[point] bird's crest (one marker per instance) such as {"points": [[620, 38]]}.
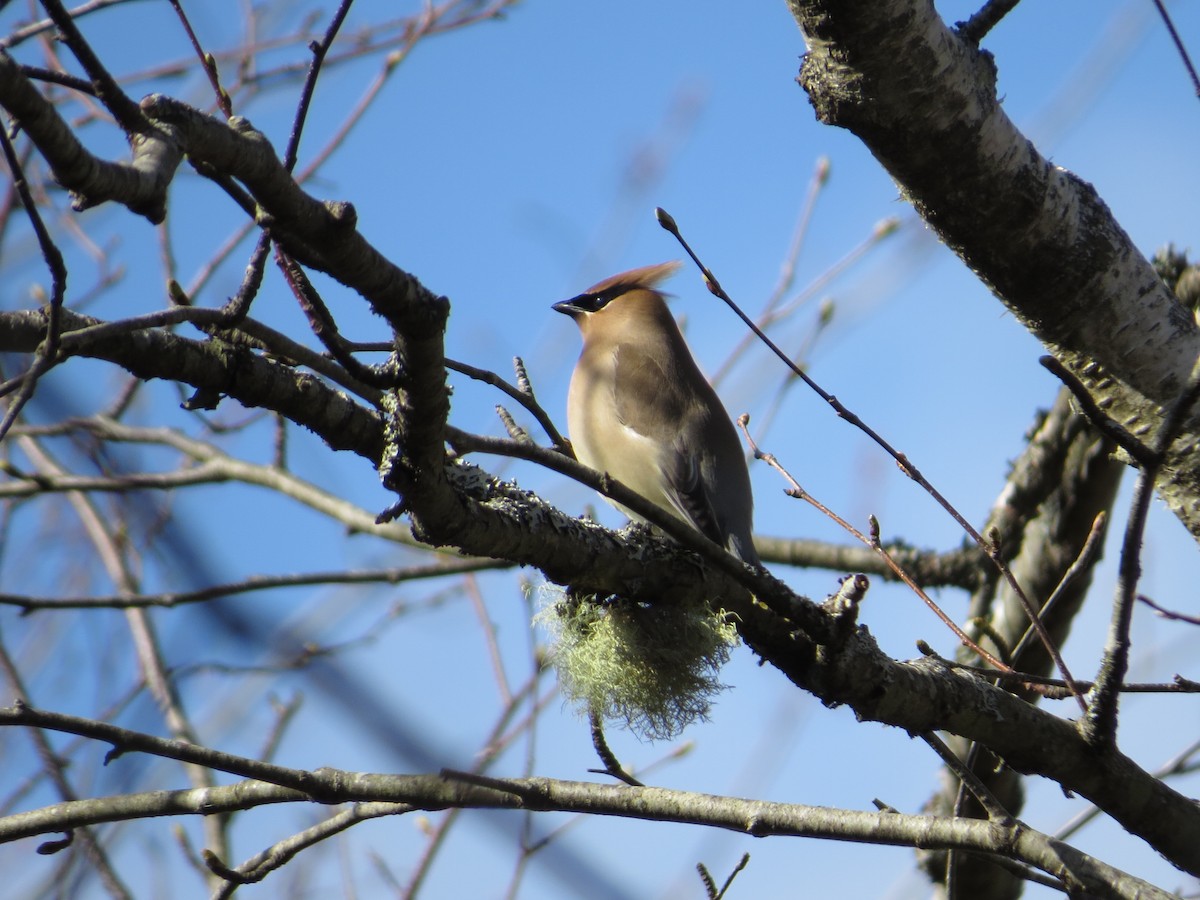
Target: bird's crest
{"points": [[645, 277]]}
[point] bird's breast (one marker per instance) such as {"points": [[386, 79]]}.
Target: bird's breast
{"points": [[602, 440]]}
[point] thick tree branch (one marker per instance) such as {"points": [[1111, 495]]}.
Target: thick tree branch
{"points": [[923, 100], [211, 365], [1078, 871], [455, 504], [140, 184], [322, 235], [1042, 519], [463, 506], [964, 568]]}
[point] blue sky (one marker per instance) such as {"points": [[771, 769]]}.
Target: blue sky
{"points": [[496, 167]]}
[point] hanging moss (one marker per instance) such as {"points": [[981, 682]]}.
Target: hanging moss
{"points": [[651, 668]]}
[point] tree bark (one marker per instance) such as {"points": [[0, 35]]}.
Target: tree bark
{"points": [[923, 100]]}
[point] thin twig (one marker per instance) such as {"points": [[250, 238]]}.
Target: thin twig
{"points": [[1111, 429], [881, 230], [1178, 685], [525, 398], [787, 270], [285, 713], [714, 287], [207, 61], [279, 854], [143, 634], [54, 767], [742, 863], [44, 25], [873, 542], [1087, 558], [319, 50], [238, 306], [987, 18], [65, 79], [1099, 726], [251, 584], [323, 325], [496, 742], [123, 741], [1183, 54], [994, 808], [1167, 613], [471, 588], [612, 765], [127, 113], [48, 351]]}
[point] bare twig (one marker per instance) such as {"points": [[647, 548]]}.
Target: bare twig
{"points": [[54, 768], [881, 230], [521, 395], [238, 306], [1087, 557], [44, 25], [495, 743], [873, 542], [285, 713], [983, 21], [1099, 726], [1178, 685], [142, 631], [1167, 613], [1104, 423], [319, 51], [994, 808], [48, 351], [253, 583], [127, 113], [714, 287], [322, 323], [282, 852], [1183, 54], [207, 61], [715, 893], [124, 740], [612, 765], [471, 587]]}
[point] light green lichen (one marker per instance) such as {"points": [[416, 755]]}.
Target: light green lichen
{"points": [[652, 668]]}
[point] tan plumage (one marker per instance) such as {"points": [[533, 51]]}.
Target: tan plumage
{"points": [[640, 409]]}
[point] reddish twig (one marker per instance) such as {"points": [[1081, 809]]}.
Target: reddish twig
{"points": [[1168, 614], [874, 543], [990, 548], [207, 60]]}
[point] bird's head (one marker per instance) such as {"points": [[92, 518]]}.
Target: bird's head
{"points": [[625, 297]]}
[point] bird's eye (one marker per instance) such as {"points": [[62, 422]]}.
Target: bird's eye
{"points": [[593, 302]]}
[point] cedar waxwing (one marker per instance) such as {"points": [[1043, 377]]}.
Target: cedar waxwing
{"points": [[640, 409]]}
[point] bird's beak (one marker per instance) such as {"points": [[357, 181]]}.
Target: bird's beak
{"points": [[568, 307]]}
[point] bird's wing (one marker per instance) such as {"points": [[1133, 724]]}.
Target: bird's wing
{"points": [[650, 404]]}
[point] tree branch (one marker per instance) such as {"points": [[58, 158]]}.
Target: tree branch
{"points": [[923, 100], [141, 185], [462, 789]]}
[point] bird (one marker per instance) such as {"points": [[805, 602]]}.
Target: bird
{"points": [[640, 409]]}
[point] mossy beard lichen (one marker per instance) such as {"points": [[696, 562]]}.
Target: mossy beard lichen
{"points": [[652, 668]]}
